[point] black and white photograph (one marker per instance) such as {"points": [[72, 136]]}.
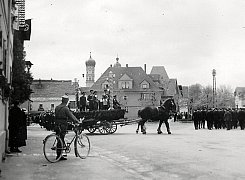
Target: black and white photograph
{"points": [[122, 89]]}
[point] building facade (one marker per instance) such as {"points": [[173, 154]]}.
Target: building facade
{"points": [[47, 94], [136, 89], [7, 17], [239, 97]]}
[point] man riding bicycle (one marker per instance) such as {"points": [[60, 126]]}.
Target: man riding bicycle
{"points": [[62, 116]]}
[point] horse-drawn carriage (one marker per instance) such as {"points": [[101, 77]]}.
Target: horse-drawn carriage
{"points": [[106, 121], [103, 121]]}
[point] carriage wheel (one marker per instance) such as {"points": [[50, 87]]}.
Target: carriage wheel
{"points": [[91, 129], [113, 127], [105, 127]]}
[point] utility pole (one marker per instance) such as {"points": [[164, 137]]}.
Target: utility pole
{"points": [[214, 86]]}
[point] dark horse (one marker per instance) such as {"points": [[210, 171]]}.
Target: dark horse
{"points": [[161, 113]]}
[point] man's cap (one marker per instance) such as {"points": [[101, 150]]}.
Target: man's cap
{"points": [[65, 97]]}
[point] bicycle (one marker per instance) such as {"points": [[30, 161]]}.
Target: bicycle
{"points": [[53, 143]]}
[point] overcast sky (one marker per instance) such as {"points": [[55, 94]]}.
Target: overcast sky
{"points": [[188, 37]]}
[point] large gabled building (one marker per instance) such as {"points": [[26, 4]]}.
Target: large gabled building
{"points": [[136, 89]]}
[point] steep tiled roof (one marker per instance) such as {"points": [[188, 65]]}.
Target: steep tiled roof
{"points": [[240, 89], [160, 70], [136, 73], [159, 75], [52, 88], [172, 87]]}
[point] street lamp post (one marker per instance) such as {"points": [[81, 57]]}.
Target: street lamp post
{"points": [[28, 65], [214, 86]]}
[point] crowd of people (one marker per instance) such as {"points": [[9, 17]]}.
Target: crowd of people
{"points": [[92, 103], [219, 119]]}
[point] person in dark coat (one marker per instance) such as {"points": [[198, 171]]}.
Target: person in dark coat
{"points": [[62, 116], [91, 100], [17, 128], [234, 118], [241, 118], [195, 119], [204, 118], [216, 118], [96, 101], [105, 100], [228, 119], [210, 119], [83, 102], [116, 104]]}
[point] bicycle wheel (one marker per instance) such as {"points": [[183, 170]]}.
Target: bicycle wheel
{"points": [[52, 145], [82, 146]]}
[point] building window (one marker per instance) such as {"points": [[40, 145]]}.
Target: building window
{"points": [[40, 108], [125, 85], [144, 86], [52, 107], [126, 108], [105, 86], [147, 96]]}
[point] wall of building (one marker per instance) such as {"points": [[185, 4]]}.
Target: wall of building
{"points": [[239, 102], [46, 102], [6, 55]]}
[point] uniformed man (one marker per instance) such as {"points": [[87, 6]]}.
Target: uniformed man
{"points": [[105, 100], [195, 119], [62, 116], [83, 102], [241, 118], [210, 119], [91, 100], [228, 119]]}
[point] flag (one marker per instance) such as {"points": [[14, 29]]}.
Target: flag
{"points": [[26, 31]]}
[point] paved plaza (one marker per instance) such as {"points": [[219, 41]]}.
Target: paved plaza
{"points": [[185, 154]]}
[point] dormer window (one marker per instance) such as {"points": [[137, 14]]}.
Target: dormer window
{"points": [[145, 85], [125, 85], [125, 82]]}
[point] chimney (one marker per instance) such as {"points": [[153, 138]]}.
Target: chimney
{"points": [[145, 67], [126, 65], [111, 65]]}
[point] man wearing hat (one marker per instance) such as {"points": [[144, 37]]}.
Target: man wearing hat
{"points": [[91, 100], [83, 102], [62, 116]]}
